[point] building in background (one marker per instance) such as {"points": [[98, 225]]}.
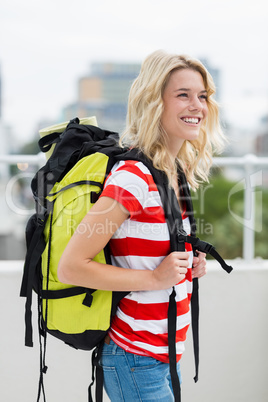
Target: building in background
{"points": [[104, 94]]}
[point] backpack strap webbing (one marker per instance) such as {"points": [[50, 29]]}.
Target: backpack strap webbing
{"points": [[96, 367], [185, 195], [45, 143], [172, 327], [175, 224], [195, 324]]}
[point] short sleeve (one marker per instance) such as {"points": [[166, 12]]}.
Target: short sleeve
{"points": [[128, 184]]}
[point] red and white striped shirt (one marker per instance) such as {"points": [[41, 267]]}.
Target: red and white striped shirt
{"points": [[142, 242]]}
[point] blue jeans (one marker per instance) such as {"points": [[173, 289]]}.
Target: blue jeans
{"points": [[130, 378]]}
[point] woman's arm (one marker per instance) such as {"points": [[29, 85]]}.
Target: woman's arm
{"points": [[92, 234]]}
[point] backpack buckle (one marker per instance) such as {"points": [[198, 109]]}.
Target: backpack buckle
{"points": [[181, 235], [203, 246]]}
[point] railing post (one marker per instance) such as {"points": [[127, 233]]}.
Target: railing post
{"points": [[249, 211]]}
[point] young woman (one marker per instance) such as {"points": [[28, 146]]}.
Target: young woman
{"points": [[173, 120]]}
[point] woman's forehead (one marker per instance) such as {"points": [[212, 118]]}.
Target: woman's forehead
{"points": [[185, 79]]}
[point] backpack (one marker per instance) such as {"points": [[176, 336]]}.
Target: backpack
{"points": [[64, 189]]}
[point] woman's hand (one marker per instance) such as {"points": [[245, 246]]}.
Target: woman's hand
{"points": [[172, 270], [199, 265]]}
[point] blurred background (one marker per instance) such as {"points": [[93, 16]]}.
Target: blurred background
{"points": [[59, 61]]}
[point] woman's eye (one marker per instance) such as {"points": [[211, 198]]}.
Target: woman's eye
{"points": [[182, 95], [203, 97]]}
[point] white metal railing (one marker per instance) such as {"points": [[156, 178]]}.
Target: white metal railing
{"points": [[251, 182], [31, 159]]}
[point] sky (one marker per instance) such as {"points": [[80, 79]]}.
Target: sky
{"points": [[45, 47]]}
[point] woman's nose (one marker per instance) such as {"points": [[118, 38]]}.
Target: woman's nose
{"points": [[195, 104]]}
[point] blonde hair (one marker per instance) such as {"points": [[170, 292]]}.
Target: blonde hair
{"points": [[145, 108]]}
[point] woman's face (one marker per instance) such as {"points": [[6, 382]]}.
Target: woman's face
{"points": [[185, 107]]}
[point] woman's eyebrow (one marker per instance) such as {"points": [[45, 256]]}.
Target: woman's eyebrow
{"points": [[188, 89], [182, 89]]}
